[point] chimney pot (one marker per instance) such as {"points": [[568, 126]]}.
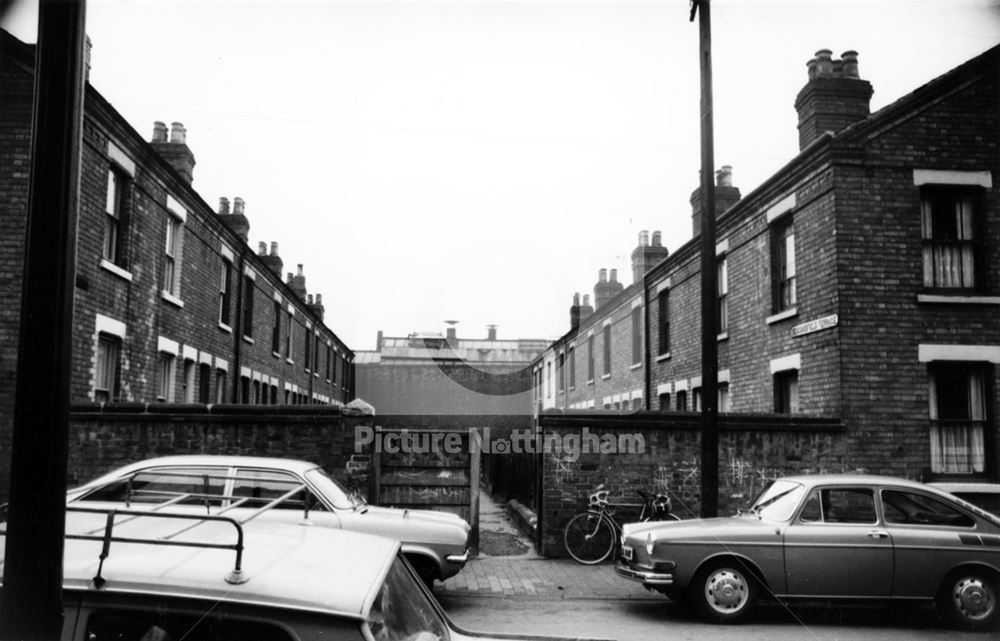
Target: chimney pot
{"points": [[724, 176], [657, 242], [811, 68], [586, 300], [178, 134], [576, 298], [223, 206], [274, 248], [309, 299], [602, 275], [614, 276], [159, 132], [319, 299], [850, 60], [239, 206], [291, 277], [824, 63], [643, 238], [262, 248], [300, 269]]}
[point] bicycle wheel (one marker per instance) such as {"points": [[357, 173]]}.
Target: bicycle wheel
{"points": [[589, 538]]}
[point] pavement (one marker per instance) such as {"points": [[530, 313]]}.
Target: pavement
{"points": [[508, 567]]}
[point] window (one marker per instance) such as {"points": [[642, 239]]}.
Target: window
{"points": [[958, 417], [950, 219], [225, 292], [911, 508], [172, 256], [188, 381], [205, 383], [682, 400], [572, 367], [722, 297], [165, 378], [696, 399], [308, 350], [220, 386], [262, 486], [606, 345], [783, 265], [248, 289], [663, 309], [590, 357], [245, 390], [114, 220], [786, 392], [329, 361], [840, 505], [276, 328], [664, 402], [548, 380], [315, 357], [257, 398], [108, 359], [333, 378], [288, 335], [161, 622], [637, 335], [560, 374], [723, 397], [636, 403], [274, 395]]}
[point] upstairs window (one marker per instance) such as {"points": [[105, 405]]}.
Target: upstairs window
{"points": [[572, 367], [225, 292], [723, 405], [783, 265], [329, 361], [663, 309], [115, 218], [637, 335], [276, 328], [288, 335], [950, 222], [248, 290], [108, 359], [308, 351], [682, 400], [606, 345], [958, 417], [560, 373], [590, 357], [172, 256], [722, 295]]}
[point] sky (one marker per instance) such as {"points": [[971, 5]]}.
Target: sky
{"points": [[481, 160]]}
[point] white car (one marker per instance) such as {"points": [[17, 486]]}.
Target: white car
{"points": [[435, 543], [225, 581]]}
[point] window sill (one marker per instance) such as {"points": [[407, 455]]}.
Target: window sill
{"points": [[605, 377], [724, 336], [780, 316], [662, 357], [289, 361], [636, 365], [226, 328], [958, 299], [116, 270], [247, 340], [590, 382], [276, 354], [170, 298]]}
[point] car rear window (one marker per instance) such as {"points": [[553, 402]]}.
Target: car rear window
{"points": [[187, 486], [162, 625], [913, 508]]}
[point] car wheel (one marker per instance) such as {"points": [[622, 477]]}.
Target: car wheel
{"points": [[968, 599], [725, 592]]}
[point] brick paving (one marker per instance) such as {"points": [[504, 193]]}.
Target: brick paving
{"points": [[530, 575]]}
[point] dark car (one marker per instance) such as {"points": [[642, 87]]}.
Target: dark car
{"points": [[828, 537]]}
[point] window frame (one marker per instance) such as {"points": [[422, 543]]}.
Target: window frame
{"points": [[784, 266], [786, 392], [977, 424], [249, 285], [115, 220], [226, 292], [112, 378], [722, 294], [930, 222], [637, 335], [166, 373], [606, 350], [663, 310]]}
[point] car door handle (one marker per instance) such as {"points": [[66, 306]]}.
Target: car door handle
{"points": [[878, 534]]}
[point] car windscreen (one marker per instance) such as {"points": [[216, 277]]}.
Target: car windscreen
{"points": [[326, 486], [779, 501], [402, 610]]}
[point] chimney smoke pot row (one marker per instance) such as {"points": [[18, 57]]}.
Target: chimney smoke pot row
{"points": [[823, 64]]}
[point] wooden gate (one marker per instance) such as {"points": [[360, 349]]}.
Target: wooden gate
{"points": [[434, 469]]}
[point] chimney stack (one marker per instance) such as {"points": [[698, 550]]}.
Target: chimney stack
{"points": [[315, 305], [725, 197], [646, 256], [451, 333], [298, 283], [606, 288], [272, 260], [491, 332], [834, 96], [574, 312], [237, 220], [175, 151]]}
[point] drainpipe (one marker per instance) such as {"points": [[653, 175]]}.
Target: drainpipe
{"points": [[647, 374], [238, 325]]}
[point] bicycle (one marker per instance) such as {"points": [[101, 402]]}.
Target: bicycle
{"points": [[590, 537]]}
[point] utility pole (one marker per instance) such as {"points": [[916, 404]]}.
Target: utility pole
{"points": [[709, 277], [31, 601]]}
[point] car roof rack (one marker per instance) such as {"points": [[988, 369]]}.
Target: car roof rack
{"points": [[107, 536], [206, 496]]}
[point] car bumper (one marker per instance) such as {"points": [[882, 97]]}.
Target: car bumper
{"points": [[646, 577], [460, 559]]}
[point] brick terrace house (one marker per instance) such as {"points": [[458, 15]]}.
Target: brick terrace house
{"points": [[860, 282], [171, 304]]}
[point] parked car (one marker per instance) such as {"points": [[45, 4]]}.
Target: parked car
{"points": [[984, 495], [827, 537], [220, 580], [436, 543]]}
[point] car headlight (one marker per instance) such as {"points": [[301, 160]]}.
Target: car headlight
{"points": [[649, 543]]}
